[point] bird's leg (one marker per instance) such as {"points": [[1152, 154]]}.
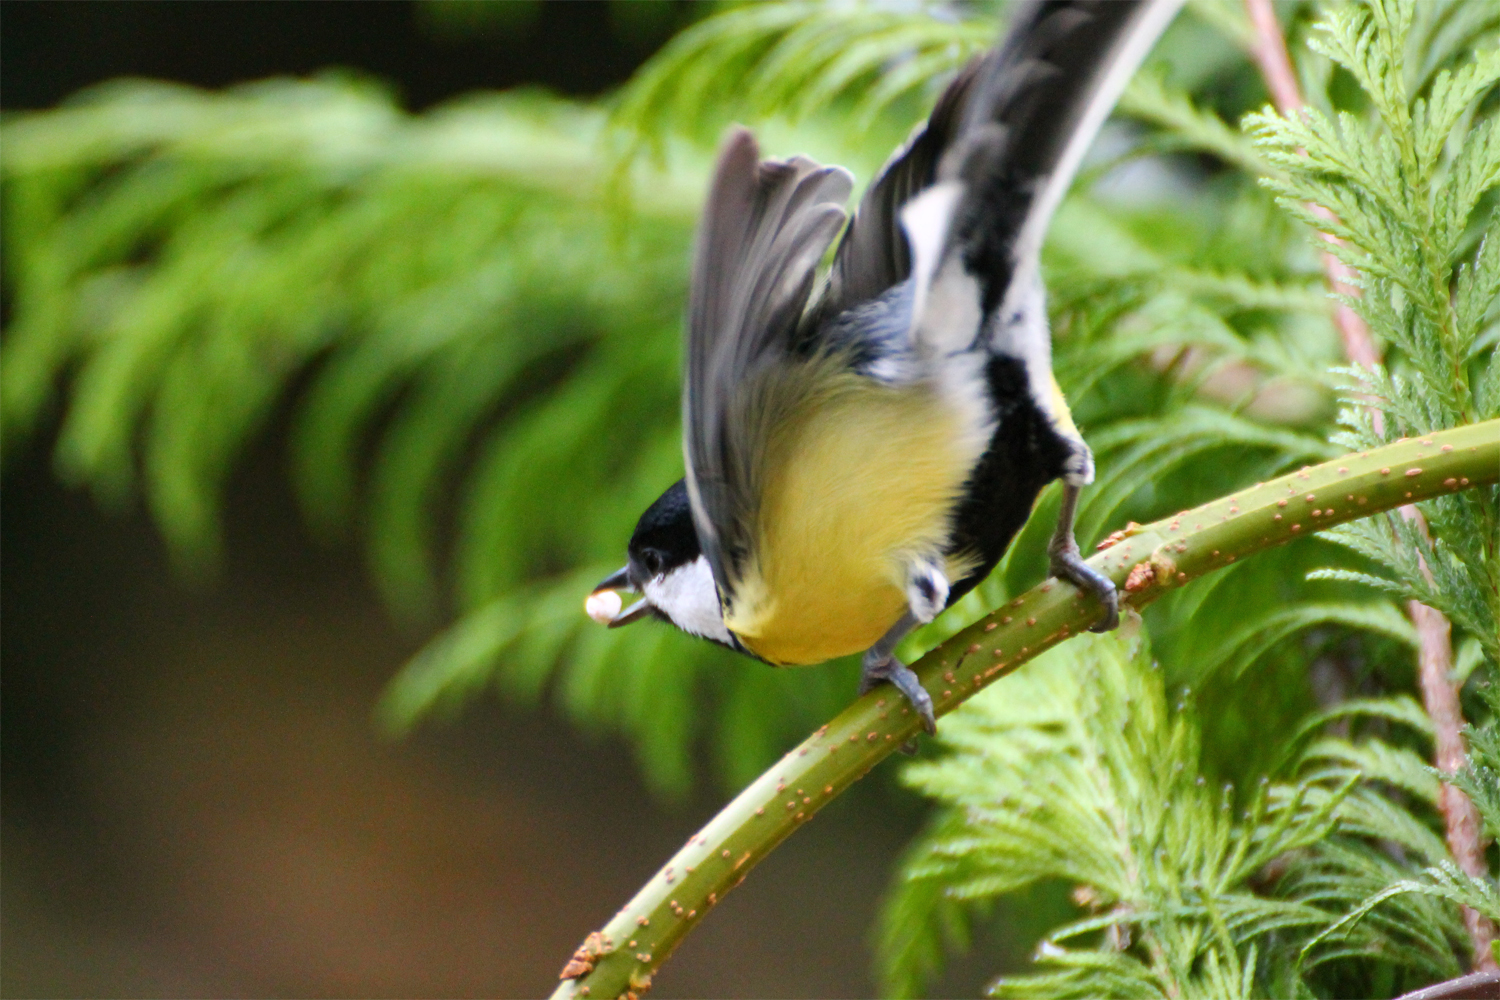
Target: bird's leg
{"points": [[1067, 563], [880, 664]]}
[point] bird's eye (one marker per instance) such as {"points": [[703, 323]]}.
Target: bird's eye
{"points": [[652, 561]]}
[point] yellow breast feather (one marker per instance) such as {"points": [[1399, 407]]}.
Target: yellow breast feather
{"points": [[856, 478]]}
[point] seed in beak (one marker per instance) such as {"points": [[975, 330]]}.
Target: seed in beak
{"points": [[603, 606]]}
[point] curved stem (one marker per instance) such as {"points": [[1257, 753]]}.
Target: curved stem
{"points": [[1147, 561]]}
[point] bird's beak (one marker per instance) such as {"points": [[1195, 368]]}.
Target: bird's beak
{"points": [[616, 581], [635, 612]]}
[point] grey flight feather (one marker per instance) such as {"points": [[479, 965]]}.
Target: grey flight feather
{"points": [[765, 229], [873, 255]]}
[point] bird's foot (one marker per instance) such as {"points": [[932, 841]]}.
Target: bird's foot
{"points": [[879, 668], [1068, 565]]}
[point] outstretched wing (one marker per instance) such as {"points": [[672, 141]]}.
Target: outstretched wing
{"points": [[764, 230]]}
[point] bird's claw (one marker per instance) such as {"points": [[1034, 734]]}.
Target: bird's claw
{"points": [[904, 679], [1069, 565]]}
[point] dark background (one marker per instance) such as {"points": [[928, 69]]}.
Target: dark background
{"points": [[194, 799], [52, 49]]}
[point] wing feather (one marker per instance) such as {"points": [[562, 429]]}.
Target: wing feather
{"points": [[874, 255], [765, 229]]}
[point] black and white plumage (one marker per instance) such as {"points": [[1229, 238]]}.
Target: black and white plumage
{"points": [[860, 458]]}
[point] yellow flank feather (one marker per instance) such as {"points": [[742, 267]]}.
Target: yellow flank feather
{"points": [[1057, 406], [857, 478]]}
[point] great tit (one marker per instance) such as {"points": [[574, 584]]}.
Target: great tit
{"points": [[859, 459]]}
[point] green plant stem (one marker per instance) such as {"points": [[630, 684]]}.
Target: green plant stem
{"points": [[1146, 561]]}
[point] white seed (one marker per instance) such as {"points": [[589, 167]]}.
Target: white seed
{"points": [[603, 606]]}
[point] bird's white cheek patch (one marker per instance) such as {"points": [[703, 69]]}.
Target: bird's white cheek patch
{"points": [[688, 597]]}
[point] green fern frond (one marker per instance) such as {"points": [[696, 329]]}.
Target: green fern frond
{"points": [[1443, 881], [1080, 770], [1185, 126], [794, 60]]}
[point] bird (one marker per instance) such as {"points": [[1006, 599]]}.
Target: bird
{"points": [[862, 446]]}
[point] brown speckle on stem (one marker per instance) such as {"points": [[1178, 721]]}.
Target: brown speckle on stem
{"points": [[1141, 576]]}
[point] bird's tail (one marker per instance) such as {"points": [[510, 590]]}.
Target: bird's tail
{"points": [[1032, 110], [1038, 102]]}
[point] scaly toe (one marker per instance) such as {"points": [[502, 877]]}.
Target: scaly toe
{"points": [[904, 679], [1071, 567], [1111, 618]]}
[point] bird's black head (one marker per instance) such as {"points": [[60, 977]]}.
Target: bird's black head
{"points": [[668, 568], [664, 538]]}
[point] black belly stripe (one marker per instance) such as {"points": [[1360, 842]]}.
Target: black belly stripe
{"points": [[1025, 454]]}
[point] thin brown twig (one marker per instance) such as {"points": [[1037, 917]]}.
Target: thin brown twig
{"points": [[1434, 632], [1275, 62]]}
